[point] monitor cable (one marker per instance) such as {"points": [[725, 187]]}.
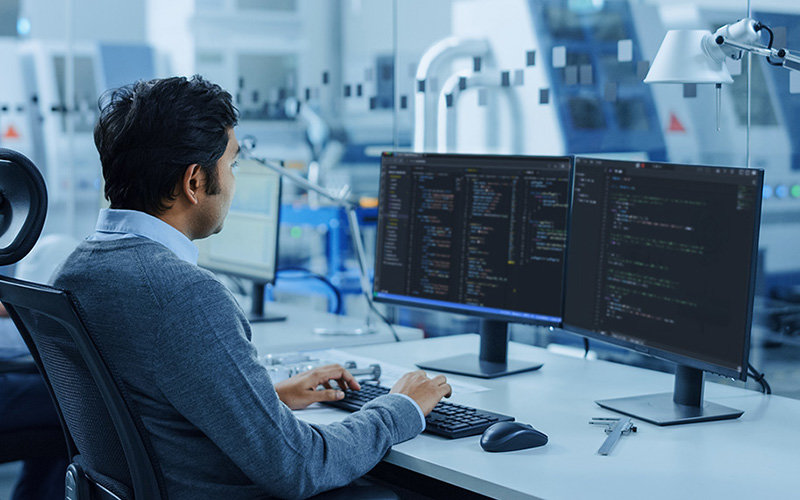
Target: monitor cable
{"points": [[759, 377], [311, 274], [382, 317]]}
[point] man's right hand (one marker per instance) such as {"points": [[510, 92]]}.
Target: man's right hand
{"points": [[425, 391]]}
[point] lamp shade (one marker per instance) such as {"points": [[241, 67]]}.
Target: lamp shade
{"points": [[683, 58]]}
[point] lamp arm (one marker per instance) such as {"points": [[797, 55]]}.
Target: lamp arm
{"points": [[361, 253], [747, 47], [742, 36], [341, 199], [790, 61]]}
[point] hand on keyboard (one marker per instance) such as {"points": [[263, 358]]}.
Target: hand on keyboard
{"points": [[425, 391], [300, 391], [447, 419]]}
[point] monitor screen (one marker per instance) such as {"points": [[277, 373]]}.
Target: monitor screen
{"points": [[247, 246], [473, 234], [661, 259]]}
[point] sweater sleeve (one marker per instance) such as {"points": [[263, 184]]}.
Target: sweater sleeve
{"points": [[207, 368]]}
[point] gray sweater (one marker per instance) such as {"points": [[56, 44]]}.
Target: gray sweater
{"points": [[181, 344]]}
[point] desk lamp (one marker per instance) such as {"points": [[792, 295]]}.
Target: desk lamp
{"points": [[697, 56], [342, 199]]}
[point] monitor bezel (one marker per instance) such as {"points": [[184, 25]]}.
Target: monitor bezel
{"points": [[681, 359], [258, 280], [463, 309]]}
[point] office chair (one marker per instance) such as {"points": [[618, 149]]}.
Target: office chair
{"points": [[110, 453], [29, 443]]}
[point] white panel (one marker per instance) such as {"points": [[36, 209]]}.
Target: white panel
{"points": [[559, 56], [625, 50]]}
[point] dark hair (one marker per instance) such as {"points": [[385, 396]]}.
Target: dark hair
{"points": [[149, 132]]}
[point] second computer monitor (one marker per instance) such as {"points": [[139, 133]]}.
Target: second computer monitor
{"points": [[474, 234], [661, 260]]}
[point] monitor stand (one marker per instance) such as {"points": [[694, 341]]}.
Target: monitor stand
{"points": [[493, 360], [257, 313], [684, 406]]}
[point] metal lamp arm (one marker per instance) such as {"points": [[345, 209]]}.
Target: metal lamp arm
{"points": [[341, 199], [742, 36]]}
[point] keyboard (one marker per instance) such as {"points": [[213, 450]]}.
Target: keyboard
{"points": [[449, 420]]}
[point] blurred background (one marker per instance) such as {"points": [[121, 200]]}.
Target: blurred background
{"points": [[327, 85]]}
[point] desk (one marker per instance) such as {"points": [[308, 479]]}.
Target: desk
{"points": [[755, 456], [297, 332]]}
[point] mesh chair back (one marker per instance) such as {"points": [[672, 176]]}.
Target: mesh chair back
{"points": [[94, 404]]}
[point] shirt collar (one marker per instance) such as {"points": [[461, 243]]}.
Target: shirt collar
{"points": [[133, 222]]}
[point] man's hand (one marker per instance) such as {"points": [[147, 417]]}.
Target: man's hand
{"points": [[301, 390], [425, 391]]}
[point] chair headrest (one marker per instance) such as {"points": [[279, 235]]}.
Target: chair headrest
{"points": [[23, 206]]}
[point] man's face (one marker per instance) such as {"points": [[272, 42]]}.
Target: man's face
{"points": [[214, 208]]}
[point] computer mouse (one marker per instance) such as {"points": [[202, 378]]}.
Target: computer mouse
{"points": [[510, 436]]}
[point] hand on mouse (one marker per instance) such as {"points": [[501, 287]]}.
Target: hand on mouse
{"points": [[300, 390], [425, 391]]}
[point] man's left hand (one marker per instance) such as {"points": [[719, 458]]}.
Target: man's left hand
{"points": [[301, 390]]}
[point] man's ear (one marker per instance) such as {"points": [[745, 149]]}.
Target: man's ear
{"points": [[193, 180]]}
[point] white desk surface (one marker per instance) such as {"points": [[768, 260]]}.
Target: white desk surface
{"points": [[755, 456], [296, 333]]}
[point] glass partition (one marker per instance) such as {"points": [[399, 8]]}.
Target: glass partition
{"points": [[326, 85]]}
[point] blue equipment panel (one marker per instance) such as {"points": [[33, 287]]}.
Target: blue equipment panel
{"points": [[602, 102]]}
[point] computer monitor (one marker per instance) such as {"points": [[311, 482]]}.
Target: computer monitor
{"points": [[247, 246], [480, 235], [661, 260]]}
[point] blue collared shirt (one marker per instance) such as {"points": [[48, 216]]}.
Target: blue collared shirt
{"points": [[115, 224]]}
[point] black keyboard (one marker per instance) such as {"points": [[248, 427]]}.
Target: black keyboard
{"points": [[447, 419]]}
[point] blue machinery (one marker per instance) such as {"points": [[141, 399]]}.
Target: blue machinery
{"points": [[300, 219]]}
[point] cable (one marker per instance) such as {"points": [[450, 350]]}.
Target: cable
{"points": [[759, 377], [585, 347], [769, 45], [311, 274], [381, 316]]}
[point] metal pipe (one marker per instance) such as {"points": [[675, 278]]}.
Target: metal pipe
{"points": [[440, 53], [452, 91]]}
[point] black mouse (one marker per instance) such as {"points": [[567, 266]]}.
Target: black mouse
{"points": [[510, 436]]}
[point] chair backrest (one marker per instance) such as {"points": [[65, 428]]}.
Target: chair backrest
{"points": [[23, 206], [104, 433]]}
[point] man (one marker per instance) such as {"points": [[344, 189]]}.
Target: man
{"points": [[177, 336]]}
